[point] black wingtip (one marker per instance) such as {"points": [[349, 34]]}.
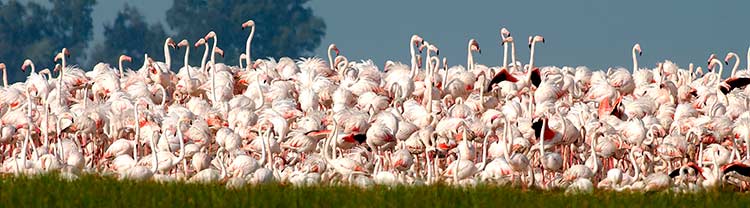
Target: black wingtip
{"points": [[361, 138], [536, 77], [537, 126], [725, 90], [674, 173]]}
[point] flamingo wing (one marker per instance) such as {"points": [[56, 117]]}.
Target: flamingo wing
{"points": [[734, 82], [500, 76]]}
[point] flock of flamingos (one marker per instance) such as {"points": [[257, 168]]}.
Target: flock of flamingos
{"points": [[309, 121]]}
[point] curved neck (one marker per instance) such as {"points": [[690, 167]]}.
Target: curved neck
{"points": [[182, 144], [635, 61], [205, 56], [413, 58], [260, 91], [635, 165], [593, 152], [505, 55], [240, 61], [721, 67], [185, 60], [119, 67], [469, 59], [59, 80], [736, 63], [248, 59], [33, 69], [213, 51], [163, 95], [5, 78], [330, 58], [428, 85], [541, 140], [167, 56], [513, 55], [445, 74], [155, 165], [531, 57], [213, 83]]}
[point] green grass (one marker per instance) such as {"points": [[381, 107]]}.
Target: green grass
{"points": [[93, 191]]}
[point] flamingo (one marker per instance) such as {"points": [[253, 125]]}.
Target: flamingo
{"points": [[251, 24]]}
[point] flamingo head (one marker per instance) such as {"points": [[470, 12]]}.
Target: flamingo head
{"points": [[537, 38], [151, 67], [171, 42], [126, 58], [257, 64], [183, 43], [417, 40], [637, 47], [219, 51], [26, 63], [200, 42], [2, 66], [504, 33], [711, 57], [506, 40], [437, 51], [334, 48], [249, 23], [726, 59], [211, 34], [65, 52], [474, 46]]}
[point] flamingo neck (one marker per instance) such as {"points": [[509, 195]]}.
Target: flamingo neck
{"points": [[182, 144], [213, 51], [330, 58], [167, 56], [593, 152], [635, 61], [505, 56], [33, 69], [59, 80], [531, 58], [736, 64], [205, 56], [213, 81], [185, 61], [413, 59], [248, 59], [541, 140], [721, 68], [155, 160], [513, 54], [119, 67], [5, 78], [635, 165], [469, 59]]}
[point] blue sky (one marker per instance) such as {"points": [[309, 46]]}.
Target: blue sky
{"points": [[598, 34]]}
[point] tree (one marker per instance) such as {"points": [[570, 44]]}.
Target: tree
{"points": [[30, 30], [131, 35], [283, 27]]}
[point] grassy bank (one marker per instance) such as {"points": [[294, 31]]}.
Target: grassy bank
{"points": [[90, 191]]}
